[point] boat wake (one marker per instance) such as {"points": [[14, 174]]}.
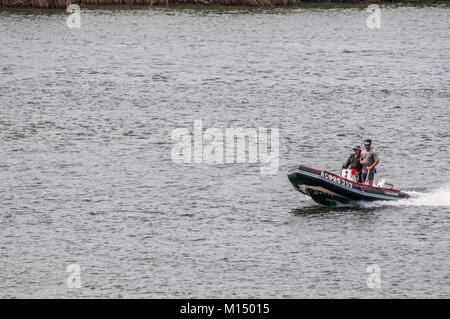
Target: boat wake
{"points": [[437, 198]]}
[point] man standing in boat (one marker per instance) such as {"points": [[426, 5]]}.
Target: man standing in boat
{"points": [[354, 161], [369, 159]]}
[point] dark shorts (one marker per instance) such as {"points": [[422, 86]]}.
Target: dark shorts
{"points": [[371, 175]]}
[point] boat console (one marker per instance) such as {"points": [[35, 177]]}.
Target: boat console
{"points": [[350, 174]]}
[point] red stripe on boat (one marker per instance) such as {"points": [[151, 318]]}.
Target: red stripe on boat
{"points": [[364, 185], [312, 168]]}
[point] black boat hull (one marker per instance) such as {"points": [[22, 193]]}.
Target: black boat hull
{"points": [[329, 189]]}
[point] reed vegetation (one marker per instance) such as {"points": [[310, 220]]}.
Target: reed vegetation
{"points": [[61, 4]]}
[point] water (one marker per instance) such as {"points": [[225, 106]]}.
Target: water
{"points": [[85, 155]]}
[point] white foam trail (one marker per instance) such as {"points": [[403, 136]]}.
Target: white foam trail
{"points": [[437, 198]]}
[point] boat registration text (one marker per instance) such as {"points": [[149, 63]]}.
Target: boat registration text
{"points": [[336, 179]]}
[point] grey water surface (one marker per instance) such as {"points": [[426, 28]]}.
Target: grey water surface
{"points": [[87, 177]]}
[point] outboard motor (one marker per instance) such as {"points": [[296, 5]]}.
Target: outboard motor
{"points": [[350, 174], [384, 184]]}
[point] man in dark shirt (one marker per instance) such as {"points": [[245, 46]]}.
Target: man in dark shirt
{"points": [[354, 161]]}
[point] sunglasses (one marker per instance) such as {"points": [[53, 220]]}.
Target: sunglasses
{"points": [[367, 145]]}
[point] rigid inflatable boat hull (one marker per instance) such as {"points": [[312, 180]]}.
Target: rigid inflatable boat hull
{"points": [[329, 189]]}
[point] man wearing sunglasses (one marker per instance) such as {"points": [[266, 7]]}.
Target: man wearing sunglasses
{"points": [[369, 159]]}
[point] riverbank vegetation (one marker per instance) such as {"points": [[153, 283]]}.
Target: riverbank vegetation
{"points": [[269, 3]]}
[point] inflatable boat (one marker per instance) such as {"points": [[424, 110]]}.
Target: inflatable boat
{"points": [[330, 189]]}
